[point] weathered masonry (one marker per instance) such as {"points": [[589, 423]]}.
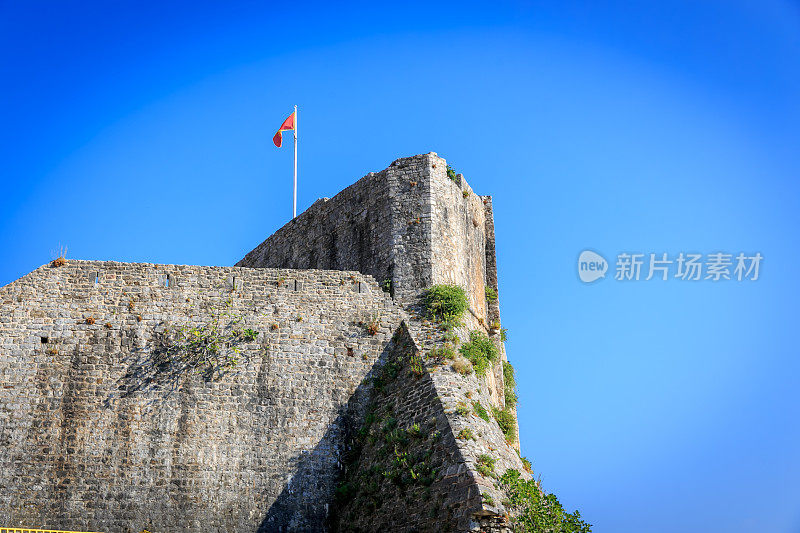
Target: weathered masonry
{"points": [[103, 429]]}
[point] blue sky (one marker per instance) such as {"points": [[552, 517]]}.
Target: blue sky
{"points": [[142, 132]]}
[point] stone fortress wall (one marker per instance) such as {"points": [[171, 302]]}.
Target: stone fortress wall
{"points": [[96, 436], [98, 433], [409, 224]]}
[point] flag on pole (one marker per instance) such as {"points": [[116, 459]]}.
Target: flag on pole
{"points": [[288, 124]]}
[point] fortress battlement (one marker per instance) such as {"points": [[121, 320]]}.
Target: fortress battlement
{"points": [[259, 397]]}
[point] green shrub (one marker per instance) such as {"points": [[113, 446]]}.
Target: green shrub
{"points": [[491, 294], [451, 338], [534, 510], [387, 375], [527, 464], [462, 409], [503, 334], [389, 424], [398, 435], [345, 492], [480, 410], [446, 302], [485, 465], [509, 385], [449, 324], [480, 351], [451, 173], [249, 334], [415, 362], [387, 285], [440, 354], [507, 422], [466, 434]]}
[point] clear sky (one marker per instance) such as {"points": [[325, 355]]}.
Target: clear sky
{"points": [[138, 131]]}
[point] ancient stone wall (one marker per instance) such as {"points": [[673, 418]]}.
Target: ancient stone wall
{"points": [[111, 421], [409, 223], [95, 434], [425, 459], [378, 226]]}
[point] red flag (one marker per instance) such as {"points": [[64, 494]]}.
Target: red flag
{"points": [[287, 125]]}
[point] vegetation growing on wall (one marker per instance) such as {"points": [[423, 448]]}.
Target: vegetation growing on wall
{"points": [[510, 385], [61, 257], [507, 422], [480, 410], [210, 349], [372, 324], [466, 434], [387, 460], [451, 173], [446, 302], [440, 354], [491, 294], [462, 366], [485, 465], [480, 351], [534, 510]]}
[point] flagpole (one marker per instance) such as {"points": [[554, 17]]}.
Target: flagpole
{"points": [[294, 198]]}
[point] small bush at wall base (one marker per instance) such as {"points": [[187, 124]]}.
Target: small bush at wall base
{"points": [[446, 302], [533, 510]]}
